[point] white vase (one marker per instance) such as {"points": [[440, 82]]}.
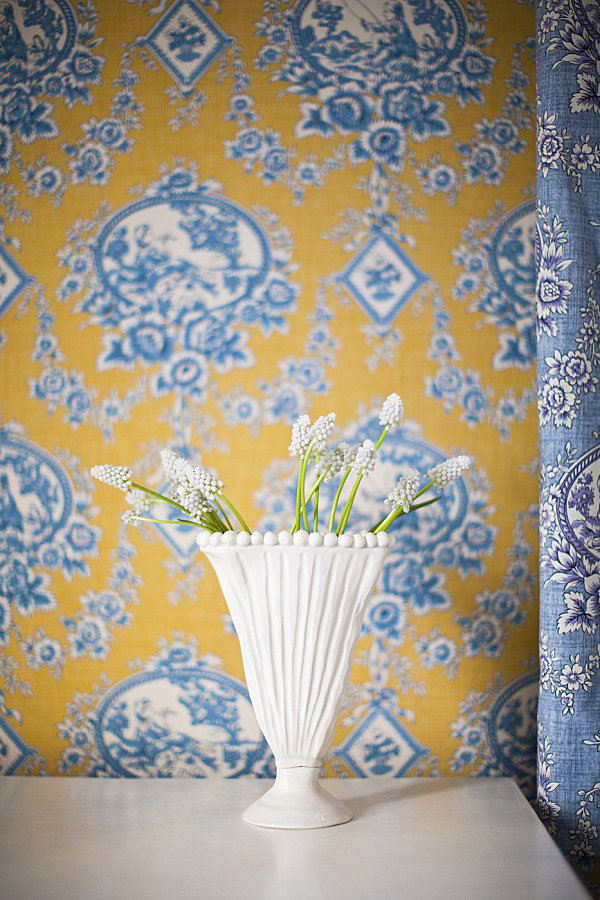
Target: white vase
{"points": [[297, 604]]}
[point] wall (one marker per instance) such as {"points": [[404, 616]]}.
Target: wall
{"points": [[218, 217]]}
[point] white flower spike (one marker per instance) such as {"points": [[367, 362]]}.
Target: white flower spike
{"points": [[117, 476], [405, 491], [391, 412], [301, 437], [448, 471], [364, 461], [321, 431]]}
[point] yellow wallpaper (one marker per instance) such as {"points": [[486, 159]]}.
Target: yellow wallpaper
{"points": [[218, 217]]}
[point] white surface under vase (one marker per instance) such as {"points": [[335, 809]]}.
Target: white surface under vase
{"points": [[297, 604]]}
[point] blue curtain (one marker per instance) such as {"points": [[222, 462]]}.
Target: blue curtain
{"points": [[568, 316]]}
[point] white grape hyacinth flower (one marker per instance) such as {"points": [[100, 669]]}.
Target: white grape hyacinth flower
{"points": [[405, 491], [116, 476], [392, 411], [449, 470]]}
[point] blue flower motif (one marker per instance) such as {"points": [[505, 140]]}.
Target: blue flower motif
{"points": [[280, 293], [26, 590], [474, 404], [477, 538], [275, 161], [420, 587], [482, 161], [88, 635], [150, 341], [347, 108], [91, 161], [285, 402], [50, 557], [474, 67], [82, 538], [241, 409], [47, 180], [185, 373], [306, 371], [53, 85], [411, 108], [84, 68], [78, 404], [30, 121], [483, 634], [384, 142], [248, 143], [448, 382], [50, 385], [386, 618], [109, 605], [241, 105], [442, 651], [502, 132]]}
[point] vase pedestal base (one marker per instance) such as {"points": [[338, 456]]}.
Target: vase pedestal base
{"points": [[297, 800]]}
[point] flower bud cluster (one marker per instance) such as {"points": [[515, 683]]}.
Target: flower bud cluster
{"points": [[330, 463], [321, 431], [301, 437], [131, 517], [449, 470], [392, 411], [138, 500], [191, 486], [364, 459], [304, 434], [405, 491], [117, 476]]}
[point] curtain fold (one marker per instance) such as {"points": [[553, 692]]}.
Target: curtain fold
{"points": [[568, 317]]}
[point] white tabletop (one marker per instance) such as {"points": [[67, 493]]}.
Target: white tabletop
{"points": [[411, 838]]}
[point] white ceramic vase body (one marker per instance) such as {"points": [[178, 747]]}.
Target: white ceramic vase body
{"points": [[298, 610]]}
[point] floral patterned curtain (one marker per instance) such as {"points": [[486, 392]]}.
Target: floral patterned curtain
{"points": [[568, 315]]}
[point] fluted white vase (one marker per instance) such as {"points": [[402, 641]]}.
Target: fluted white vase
{"points": [[297, 604]]}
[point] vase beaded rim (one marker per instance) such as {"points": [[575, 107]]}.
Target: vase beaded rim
{"points": [[364, 540]]}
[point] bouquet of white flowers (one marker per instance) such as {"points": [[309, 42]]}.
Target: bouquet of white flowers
{"points": [[198, 495]]}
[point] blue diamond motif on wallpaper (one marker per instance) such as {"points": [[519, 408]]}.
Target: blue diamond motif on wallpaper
{"points": [[13, 750], [382, 278], [380, 745], [187, 42], [12, 281]]}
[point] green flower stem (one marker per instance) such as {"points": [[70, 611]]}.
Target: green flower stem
{"points": [[296, 524], [385, 523], [382, 437], [224, 514], [316, 510], [301, 491], [315, 488], [346, 511], [348, 507], [171, 521], [234, 511], [215, 523], [396, 513], [146, 490], [336, 499]]}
